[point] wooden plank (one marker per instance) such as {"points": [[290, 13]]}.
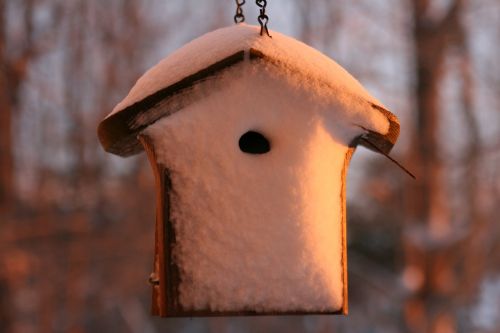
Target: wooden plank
{"points": [[158, 300], [386, 141], [207, 313], [347, 160]]}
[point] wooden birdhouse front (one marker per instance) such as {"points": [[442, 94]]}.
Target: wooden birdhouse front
{"points": [[249, 138]]}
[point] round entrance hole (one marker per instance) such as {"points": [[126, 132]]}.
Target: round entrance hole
{"points": [[254, 143]]}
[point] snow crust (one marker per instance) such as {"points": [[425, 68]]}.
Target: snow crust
{"points": [[257, 232], [315, 68]]}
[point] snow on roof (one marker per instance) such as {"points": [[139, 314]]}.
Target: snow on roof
{"points": [[222, 48], [222, 43]]}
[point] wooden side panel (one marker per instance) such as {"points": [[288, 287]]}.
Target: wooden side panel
{"points": [[158, 278], [165, 281], [343, 198]]}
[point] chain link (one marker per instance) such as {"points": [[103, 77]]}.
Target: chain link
{"points": [[239, 17], [263, 18]]}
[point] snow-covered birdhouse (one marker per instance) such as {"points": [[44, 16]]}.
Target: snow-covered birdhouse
{"points": [[250, 138]]}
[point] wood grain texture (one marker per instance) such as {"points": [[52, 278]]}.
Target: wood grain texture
{"points": [[384, 142], [158, 307], [343, 198]]}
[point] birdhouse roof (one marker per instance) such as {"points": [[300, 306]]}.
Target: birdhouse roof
{"points": [[213, 52]]}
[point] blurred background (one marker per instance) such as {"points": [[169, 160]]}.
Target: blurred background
{"points": [[76, 224]]}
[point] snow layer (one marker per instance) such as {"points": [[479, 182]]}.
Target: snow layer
{"points": [[297, 57], [257, 232]]}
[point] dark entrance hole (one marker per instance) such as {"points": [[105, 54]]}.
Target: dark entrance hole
{"points": [[254, 143]]}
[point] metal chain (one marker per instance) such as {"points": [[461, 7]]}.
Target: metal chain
{"points": [[263, 18], [239, 17]]}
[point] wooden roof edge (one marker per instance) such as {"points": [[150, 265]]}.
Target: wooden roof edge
{"points": [[118, 132], [384, 142]]}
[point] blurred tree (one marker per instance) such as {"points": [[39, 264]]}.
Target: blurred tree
{"points": [[13, 64], [435, 241], [5, 313], [80, 243], [6, 155], [428, 240]]}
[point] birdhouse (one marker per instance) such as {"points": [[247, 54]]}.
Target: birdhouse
{"points": [[249, 139]]}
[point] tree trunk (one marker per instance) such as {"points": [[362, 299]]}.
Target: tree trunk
{"points": [[5, 313], [428, 256], [6, 150]]}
